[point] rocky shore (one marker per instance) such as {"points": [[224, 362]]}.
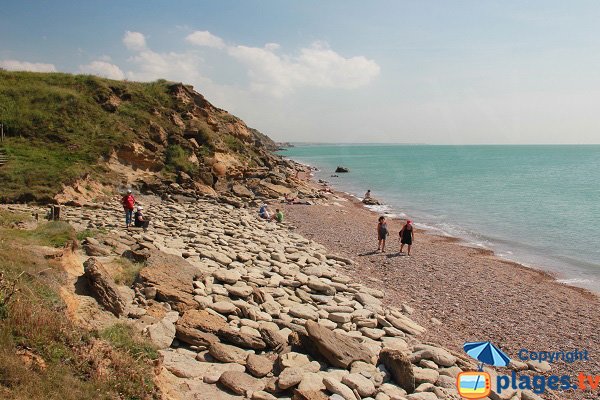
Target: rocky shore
{"points": [[244, 308]]}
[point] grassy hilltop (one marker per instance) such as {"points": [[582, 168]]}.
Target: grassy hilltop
{"points": [[61, 126]]}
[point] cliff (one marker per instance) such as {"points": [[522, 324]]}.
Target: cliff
{"points": [[67, 135]]}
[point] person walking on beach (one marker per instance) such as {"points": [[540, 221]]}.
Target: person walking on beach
{"points": [[407, 236], [382, 233], [128, 202]]}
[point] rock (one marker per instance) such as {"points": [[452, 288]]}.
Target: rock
{"points": [[224, 307], [537, 366], [228, 354], [240, 382], [242, 191], [198, 327], [371, 201], [337, 387], [438, 355], [301, 394], [425, 375], [161, 333], [241, 339], [272, 338], [311, 382], [399, 367], [366, 299], [103, 287], [341, 169], [227, 276], [262, 395], [239, 290], [361, 384], [422, 396], [293, 360], [392, 391], [172, 277], [529, 395], [290, 377], [407, 325], [96, 250], [183, 366], [258, 366], [339, 350], [304, 312]]}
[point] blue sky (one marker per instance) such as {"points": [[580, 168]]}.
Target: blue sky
{"points": [[341, 71]]}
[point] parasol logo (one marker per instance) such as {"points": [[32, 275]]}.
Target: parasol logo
{"points": [[478, 384]]}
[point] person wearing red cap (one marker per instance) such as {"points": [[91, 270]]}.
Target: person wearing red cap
{"points": [[407, 236]]}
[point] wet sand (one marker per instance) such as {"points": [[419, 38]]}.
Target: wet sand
{"points": [[475, 295]]}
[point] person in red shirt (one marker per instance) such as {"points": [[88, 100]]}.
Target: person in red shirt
{"points": [[128, 204]]}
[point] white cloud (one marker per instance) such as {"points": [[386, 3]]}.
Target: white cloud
{"points": [[315, 66], [103, 68], [134, 41], [205, 38], [14, 65]]}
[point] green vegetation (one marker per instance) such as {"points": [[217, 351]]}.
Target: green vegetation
{"points": [[42, 354], [61, 125], [234, 144], [177, 159], [129, 271], [122, 336]]}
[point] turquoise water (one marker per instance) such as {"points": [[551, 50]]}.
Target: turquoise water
{"points": [[538, 205]]}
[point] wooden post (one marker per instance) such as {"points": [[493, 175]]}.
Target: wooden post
{"points": [[2, 133]]}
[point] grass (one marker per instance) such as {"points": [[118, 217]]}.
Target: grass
{"points": [[57, 121], [129, 271], [177, 159], [53, 234], [75, 363]]}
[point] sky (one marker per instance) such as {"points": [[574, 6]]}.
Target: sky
{"points": [[436, 72]]}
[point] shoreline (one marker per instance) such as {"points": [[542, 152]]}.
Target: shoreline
{"points": [[563, 279], [460, 293]]}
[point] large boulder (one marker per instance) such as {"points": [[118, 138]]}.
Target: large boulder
{"points": [[103, 287], [399, 367], [339, 350], [172, 277], [341, 169]]}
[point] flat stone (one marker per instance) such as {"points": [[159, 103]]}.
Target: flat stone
{"points": [[337, 387], [259, 366], [241, 339], [361, 384], [224, 307], [228, 354], [304, 312], [290, 377], [339, 350], [423, 375], [240, 382]]}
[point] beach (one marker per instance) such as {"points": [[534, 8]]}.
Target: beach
{"points": [[459, 293]]}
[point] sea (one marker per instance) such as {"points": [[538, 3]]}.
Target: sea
{"points": [[538, 205]]}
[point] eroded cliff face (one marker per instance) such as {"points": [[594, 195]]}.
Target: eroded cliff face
{"points": [[192, 147]]}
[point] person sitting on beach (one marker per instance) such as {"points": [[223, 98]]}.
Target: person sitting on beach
{"points": [[263, 212], [289, 198], [278, 216], [139, 221], [382, 233], [407, 236], [368, 194]]}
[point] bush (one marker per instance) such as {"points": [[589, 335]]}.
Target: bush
{"points": [[177, 159]]}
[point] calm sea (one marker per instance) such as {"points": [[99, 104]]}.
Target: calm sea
{"points": [[538, 205]]}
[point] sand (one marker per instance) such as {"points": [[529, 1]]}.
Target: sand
{"points": [[475, 295]]}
